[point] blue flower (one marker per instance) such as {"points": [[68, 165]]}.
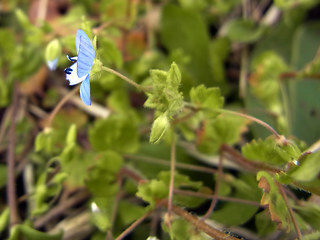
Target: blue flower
{"points": [[80, 70]]}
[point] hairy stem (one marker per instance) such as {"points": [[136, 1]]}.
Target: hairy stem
{"points": [[128, 80], [262, 123]]}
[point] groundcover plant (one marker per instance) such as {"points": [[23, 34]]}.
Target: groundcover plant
{"points": [[148, 119]]}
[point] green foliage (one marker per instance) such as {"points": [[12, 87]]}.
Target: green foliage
{"points": [[87, 161], [165, 95], [243, 30], [307, 169], [207, 99], [29, 233], [271, 151], [243, 188], [157, 189], [225, 129], [185, 30], [278, 209], [117, 133]]}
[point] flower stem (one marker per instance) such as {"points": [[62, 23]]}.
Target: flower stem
{"points": [[60, 105], [262, 123], [128, 80]]}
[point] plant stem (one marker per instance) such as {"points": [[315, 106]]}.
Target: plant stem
{"points": [[186, 166], [216, 189], [199, 224], [172, 169], [248, 165], [293, 219], [128, 80], [133, 225], [60, 105], [262, 123], [11, 189], [210, 196]]}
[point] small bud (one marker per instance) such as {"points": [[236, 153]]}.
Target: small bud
{"points": [[53, 52], [159, 127]]}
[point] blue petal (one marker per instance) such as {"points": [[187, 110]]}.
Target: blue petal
{"points": [[85, 91], [72, 75], [86, 53]]}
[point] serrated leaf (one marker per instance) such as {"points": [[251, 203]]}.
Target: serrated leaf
{"points": [[118, 133], [174, 76], [225, 129], [208, 99], [152, 191], [243, 30], [273, 199], [270, 151]]}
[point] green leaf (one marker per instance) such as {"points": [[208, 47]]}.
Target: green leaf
{"points": [[225, 129], [4, 219], [71, 135], [152, 191], [264, 224], [101, 179], [109, 53], [208, 99], [305, 44], [244, 188], [75, 163], [118, 133], [271, 151], [186, 30], [243, 30], [308, 168], [45, 190], [165, 95], [31, 234], [53, 50], [44, 141], [159, 128], [3, 175], [301, 101], [128, 212], [272, 197], [310, 213], [311, 236], [102, 209]]}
